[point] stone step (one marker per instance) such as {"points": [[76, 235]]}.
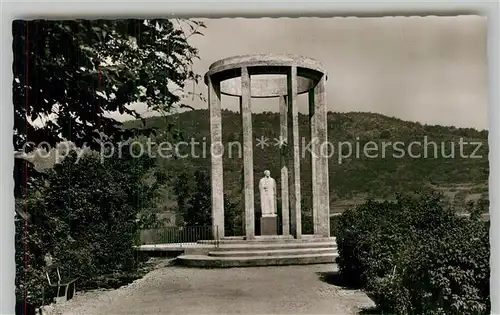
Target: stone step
{"points": [[274, 246], [204, 261], [274, 252], [271, 239]]}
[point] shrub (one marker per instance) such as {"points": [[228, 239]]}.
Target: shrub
{"points": [[31, 284], [361, 241], [450, 264], [334, 224], [415, 256], [85, 216]]}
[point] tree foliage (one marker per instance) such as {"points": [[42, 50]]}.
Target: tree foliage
{"points": [[69, 77], [199, 207], [194, 201], [193, 196], [79, 71]]}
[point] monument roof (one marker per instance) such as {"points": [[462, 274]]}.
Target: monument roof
{"points": [[228, 70]]}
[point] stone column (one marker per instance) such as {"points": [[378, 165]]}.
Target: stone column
{"points": [[285, 210], [314, 156], [294, 150], [216, 152], [321, 196], [246, 115]]}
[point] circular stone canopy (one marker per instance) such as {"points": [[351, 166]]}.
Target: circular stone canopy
{"points": [[269, 74]]}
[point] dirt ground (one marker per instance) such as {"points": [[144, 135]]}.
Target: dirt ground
{"points": [[261, 290]]}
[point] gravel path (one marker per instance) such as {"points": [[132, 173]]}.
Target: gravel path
{"points": [[261, 290]]}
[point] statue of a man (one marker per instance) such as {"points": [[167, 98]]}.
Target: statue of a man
{"points": [[267, 188]]}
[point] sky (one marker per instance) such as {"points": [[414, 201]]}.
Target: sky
{"points": [[433, 70]]}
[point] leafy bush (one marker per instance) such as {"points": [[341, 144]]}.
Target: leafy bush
{"points": [[334, 224], [31, 284], [361, 242], [85, 216], [415, 256]]}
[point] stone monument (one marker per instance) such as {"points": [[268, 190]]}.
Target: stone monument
{"points": [[267, 188], [247, 77]]}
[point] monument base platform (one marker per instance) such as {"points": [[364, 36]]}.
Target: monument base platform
{"points": [[269, 225], [263, 252]]}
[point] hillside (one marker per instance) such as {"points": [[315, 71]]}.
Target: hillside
{"points": [[355, 178]]}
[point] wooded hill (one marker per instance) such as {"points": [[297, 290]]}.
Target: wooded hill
{"points": [[461, 178]]}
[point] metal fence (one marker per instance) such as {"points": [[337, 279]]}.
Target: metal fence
{"points": [[179, 235]]}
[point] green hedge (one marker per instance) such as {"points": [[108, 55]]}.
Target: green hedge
{"points": [[415, 256]]}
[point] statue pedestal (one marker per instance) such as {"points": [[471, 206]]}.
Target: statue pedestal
{"points": [[269, 225]]}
